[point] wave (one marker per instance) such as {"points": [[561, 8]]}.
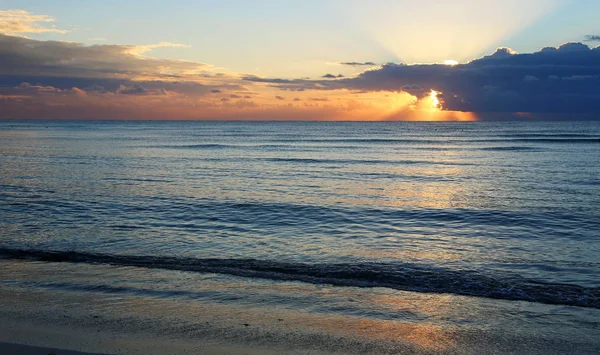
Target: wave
{"points": [[446, 140], [407, 277], [216, 146], [359, 161], [511, 149], [555, 140], [198, 146], [124, 179], [549, 135], [351, 143]]}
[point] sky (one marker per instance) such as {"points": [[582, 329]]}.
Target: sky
{"points": [[300, 60]]}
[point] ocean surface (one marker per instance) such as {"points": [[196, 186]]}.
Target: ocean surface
{"points": [[351, 237]]}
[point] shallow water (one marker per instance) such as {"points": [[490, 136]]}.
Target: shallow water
{"points": [[387, 215]]}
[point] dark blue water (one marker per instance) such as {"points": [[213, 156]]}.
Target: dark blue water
{"points": [[501, 211]]}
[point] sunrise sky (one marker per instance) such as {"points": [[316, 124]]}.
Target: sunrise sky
{"points": [[292, 60]]}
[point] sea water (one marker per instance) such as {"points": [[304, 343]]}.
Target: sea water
{"points": [[350, 237]]}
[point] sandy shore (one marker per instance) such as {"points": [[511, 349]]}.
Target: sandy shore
{"points": [[275, 318], [20, 349], [25, 338]]}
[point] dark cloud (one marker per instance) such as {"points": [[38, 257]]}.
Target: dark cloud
{"points": [[257, 79], [119, 69], [37, 88], [287, 84], [411, 88], [592, 38], [133, 90], [563, 79], [332, 76], [280, 98], [23, 56], [356, 64], [137, 89]]}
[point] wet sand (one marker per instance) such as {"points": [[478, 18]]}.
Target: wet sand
{"points": [[19, 349], [23, 337]]}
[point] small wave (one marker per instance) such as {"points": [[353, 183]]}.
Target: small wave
{"points": [[443, 142], [511, 149], [557, 140], [351, 143], [408, 277], [548, 135], [362, 140], [120, 179], [197, 146], [335, 161], [530, 140], [359, 161]]}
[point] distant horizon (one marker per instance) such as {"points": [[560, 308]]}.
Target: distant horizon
{"points": [[511, 120]]}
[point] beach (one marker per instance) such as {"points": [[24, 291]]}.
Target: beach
{"points": [[260, 317], [8, 348]]}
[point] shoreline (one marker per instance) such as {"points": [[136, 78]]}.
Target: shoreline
{"points": [[100, 309]]}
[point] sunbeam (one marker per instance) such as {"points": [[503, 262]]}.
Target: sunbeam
{"points": [[444, 29]]}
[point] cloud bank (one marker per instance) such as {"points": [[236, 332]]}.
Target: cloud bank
{"points": [[565, 79]]}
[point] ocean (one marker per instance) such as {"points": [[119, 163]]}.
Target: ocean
{"points": [[303, 237]]}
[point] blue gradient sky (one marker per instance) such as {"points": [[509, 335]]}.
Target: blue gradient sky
{"points": [[295, 39]]}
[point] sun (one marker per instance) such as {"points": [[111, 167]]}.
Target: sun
{"points": [[435, 102], [450, 62]]}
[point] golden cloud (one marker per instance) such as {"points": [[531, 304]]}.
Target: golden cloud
{"points": [[14, 22]]}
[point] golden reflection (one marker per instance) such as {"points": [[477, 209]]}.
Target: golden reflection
{"points": [[425, 336], [434, 195], [433, 306], [417, 254], [437, 172]]}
